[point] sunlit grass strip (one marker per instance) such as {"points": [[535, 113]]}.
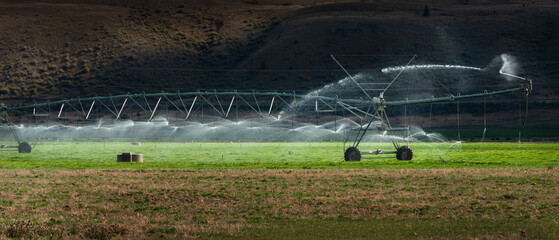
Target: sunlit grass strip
{"points": [[99, 155]]}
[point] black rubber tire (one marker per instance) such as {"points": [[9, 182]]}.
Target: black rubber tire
{"points": [[352, 154], [404, 153], [24, 147]]}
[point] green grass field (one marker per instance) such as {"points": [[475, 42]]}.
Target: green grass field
{"points": [[99, 155], [280, 191]]}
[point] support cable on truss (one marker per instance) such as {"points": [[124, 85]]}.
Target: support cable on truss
{"points": [[351, 77], [393, 80], [439, 81]]}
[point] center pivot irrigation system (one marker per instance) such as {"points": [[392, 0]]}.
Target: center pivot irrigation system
{"points": [[225, 104]]}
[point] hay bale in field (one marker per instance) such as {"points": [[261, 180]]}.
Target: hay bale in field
{"points": [[124, 157], [136, 144], [138, 158], [129, 157]]}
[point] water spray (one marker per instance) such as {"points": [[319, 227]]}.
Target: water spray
{"points": [[511, 75], [22, 147], [427, 66], [368, 108]]}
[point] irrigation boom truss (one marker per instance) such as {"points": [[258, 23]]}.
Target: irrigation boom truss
{"points": [[374, 102], [371, 110]]}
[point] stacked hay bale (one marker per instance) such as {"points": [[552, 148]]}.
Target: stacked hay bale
{"points": [[129, 157]]}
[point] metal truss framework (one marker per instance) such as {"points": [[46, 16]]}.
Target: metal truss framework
{"points": [[146, 106], [222, 103]]}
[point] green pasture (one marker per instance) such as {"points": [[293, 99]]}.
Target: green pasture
{"points": [[232, 191], [299, 155]]}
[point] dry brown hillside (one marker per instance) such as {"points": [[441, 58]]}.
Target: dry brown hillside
{"points": [[64, 48]]}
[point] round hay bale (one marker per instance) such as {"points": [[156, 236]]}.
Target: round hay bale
{"points": [[137, 158], [124, 157]]}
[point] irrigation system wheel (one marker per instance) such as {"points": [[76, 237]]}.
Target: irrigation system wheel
{"points": [[352, 154], [24, 147], [404, 153]]}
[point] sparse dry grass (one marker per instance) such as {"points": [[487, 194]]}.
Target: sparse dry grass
{"points": [[192, 203], [73, 48], [84, 45]]}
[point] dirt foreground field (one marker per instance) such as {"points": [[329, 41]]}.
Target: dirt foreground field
{"points": [[105, 204]]}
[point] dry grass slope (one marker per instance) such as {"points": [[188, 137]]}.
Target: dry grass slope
{"points": [[56, 49]]}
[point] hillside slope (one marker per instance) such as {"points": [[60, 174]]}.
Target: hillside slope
{"points": [[57, 49]]}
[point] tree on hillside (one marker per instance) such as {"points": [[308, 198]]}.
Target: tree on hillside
{"points": [[426, 11]]}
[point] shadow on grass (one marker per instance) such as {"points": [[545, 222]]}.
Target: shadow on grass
{"points": [[401, 229]]}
